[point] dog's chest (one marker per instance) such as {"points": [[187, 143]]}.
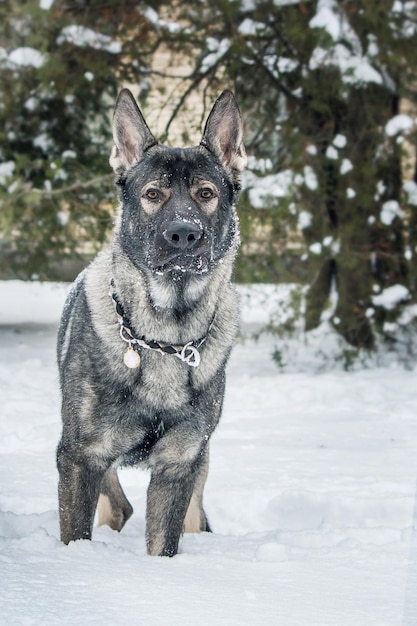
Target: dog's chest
{"points": [[159, 382], [162, 382]]}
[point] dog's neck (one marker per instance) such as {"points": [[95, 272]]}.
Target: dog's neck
{"points": [[177, 301], [187, 353], [178, 292]]}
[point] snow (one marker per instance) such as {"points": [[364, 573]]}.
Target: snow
{"points": [[217, 50], [391, 296], [331, 17], [346, 52], [6, 170], [63, 217], [278, 65], [389, 211], [31, 104], [310, 178], [311, 495], [311, 150], [26, 57], [407, 10], [398, 124], [44, 142], [340, 141], [86, 37], [410, 188], [326, 18], [380, 189], [315, 248], [250, 5], [250, 28], [355, 68], [263, 188], [153, 17], [305, 220], [69, 154], [346, 166], [332, 153]]}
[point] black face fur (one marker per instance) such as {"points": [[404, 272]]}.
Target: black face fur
{"points": [[178, 218], [178, 214]]}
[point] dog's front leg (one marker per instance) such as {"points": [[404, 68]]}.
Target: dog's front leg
{"points": [[175, 463], [167, 503], [78, 492]]}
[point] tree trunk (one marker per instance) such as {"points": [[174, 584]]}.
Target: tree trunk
{"points": [[353, 288], [318, 294]]}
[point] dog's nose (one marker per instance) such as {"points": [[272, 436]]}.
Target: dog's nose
{"points": [[183, 235]]}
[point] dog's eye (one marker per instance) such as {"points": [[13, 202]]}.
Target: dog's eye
{"points": [[152, 194], [206, 193]]}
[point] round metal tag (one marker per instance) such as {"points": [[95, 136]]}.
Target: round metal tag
{"points": [[131, 358]]}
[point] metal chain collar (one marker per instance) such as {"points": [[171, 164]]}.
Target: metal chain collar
{"points": [[187, 353]]}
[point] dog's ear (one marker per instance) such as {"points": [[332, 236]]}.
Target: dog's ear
{"points": [[131, 134], [223, 133]]}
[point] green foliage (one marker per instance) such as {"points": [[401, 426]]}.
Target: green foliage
{"points": [[331, 191], [60, 73], [318, 90]]}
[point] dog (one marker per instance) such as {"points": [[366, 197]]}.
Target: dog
{"points": [[147, 329]]}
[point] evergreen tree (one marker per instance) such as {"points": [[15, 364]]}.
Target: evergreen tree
{"points": [[320, 83], [60, 70]]}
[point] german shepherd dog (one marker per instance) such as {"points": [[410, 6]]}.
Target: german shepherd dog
{"points": [[147, 330]]}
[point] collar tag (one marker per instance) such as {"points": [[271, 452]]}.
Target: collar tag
{"points": [[189, 354]]}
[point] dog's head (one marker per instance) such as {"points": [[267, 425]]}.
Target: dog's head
{"points": [[178, 214]]}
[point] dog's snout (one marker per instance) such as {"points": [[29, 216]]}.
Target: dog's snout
{"points": [[183, 235]]}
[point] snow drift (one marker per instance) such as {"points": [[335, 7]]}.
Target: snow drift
{"points": [[310, 494]]}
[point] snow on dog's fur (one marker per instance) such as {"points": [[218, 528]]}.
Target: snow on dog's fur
{"points": [[143, 369]]}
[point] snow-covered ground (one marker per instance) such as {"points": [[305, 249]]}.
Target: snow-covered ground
{"points": [[310, 494]]}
